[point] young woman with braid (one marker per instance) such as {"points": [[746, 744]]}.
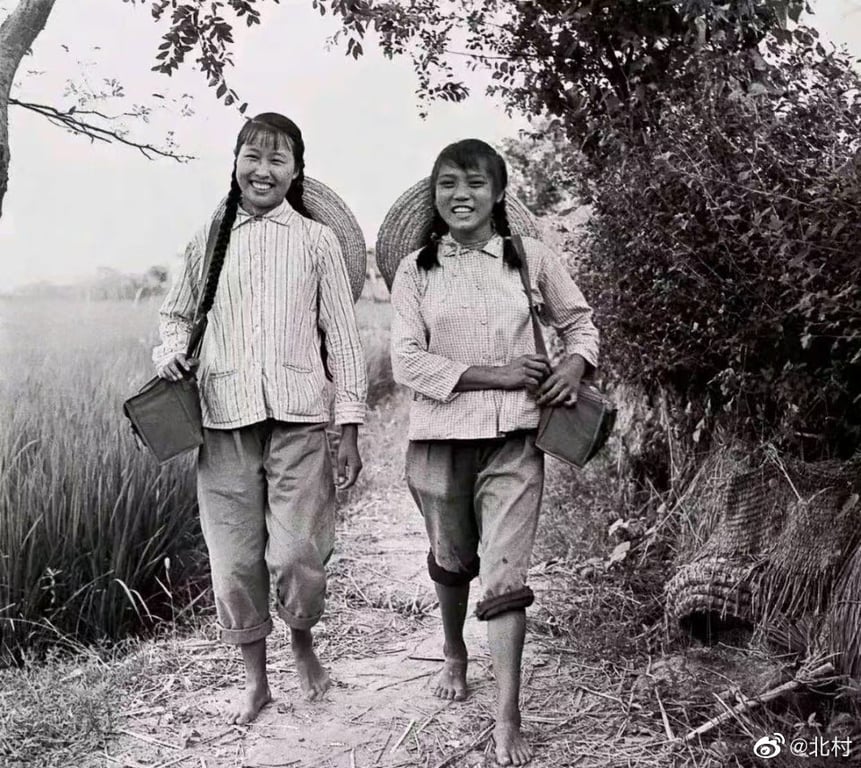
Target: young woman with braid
{"points": [[462, 341], [265, 482]]}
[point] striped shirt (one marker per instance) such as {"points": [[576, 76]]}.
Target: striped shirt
{"points": [[282, 282], [473, 310]]}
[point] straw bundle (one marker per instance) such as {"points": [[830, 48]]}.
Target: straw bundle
{"points": [[785, 547]]}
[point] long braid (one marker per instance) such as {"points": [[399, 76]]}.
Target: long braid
{"points": [[500, 223], [219, 253], [427, 258], [296, 194]]}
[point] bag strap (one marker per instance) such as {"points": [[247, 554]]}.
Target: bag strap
{"points": [[540, 346], [199, 324]]}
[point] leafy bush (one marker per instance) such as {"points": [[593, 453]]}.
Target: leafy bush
{"points": [[725, 264]]}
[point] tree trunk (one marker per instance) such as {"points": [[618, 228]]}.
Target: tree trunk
{"points": [[17, 34]]}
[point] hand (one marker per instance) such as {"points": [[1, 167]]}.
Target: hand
{"points": [[525, 372], [178, 367], [349, 461], [560, 387]]}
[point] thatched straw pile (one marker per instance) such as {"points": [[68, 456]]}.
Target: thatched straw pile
{"points": [[775, 543]]}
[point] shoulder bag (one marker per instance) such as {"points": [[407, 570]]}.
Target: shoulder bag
{"points": [[165, 416], [571, 433]]}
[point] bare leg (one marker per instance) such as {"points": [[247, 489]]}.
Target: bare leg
{"points": [[313, 677], [506, 634], [451, 682], [257, 693]]}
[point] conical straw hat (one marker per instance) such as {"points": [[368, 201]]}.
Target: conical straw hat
{"points": [[328, 208], [407, 224]]}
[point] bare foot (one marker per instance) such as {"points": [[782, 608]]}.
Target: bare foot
{"points": [[451, 681], [313, 677], [247, 709], [511, 747]]}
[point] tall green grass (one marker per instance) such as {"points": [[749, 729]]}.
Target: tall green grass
{"points": [[94, 535], [96, 540]]}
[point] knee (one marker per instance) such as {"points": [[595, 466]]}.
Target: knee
{"points": [[440, 575], [515, 600]]}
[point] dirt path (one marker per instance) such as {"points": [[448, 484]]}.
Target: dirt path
{"points": [[381, 640]]}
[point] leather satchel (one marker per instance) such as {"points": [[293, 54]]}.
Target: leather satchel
{"points": [[571, 433], [165, 416]]}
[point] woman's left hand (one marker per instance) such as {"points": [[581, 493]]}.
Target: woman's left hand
{"points": [[560, 387], [349, 461]]}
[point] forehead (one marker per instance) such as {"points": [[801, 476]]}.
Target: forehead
{"points": [[476, 168], [268, 141]]}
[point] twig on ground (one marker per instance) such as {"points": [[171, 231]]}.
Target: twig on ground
{"points": [[667, 728], [382, 750], [148, 739], [403, 736], [405, 680], [173, 761], [482, 737], [749, 704]]}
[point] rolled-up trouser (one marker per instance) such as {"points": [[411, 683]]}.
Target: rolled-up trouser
{"points": [[480, 495], [267, 510]]}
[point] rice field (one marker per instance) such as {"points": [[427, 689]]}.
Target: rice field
{"points": [[96, 539]]}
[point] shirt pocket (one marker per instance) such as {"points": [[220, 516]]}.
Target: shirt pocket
{"points": [[219, 394]]}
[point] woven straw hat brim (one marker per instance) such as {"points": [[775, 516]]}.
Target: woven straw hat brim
{"points": [[326, 207], [407, 224]]}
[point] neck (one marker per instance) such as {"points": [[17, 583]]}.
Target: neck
{"points": [[479, 237]]}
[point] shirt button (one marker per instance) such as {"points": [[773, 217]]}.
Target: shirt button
{"points": [[484, 322]]}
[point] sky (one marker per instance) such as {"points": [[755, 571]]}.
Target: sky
{"points": [[74, 206]]}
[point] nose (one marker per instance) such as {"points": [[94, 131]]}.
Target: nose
{"points": [[461, 192]]}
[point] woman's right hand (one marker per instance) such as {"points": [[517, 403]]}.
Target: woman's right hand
{"points": [[178, 367], [525, 372]]}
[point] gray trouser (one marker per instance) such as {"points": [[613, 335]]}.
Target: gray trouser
{"points": [[267, 510], [480, 495]]}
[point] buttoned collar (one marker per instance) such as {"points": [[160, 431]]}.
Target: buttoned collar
{"points": [[448, 246], [280, 214]]}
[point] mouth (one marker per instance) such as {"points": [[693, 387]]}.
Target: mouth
{"points": [[259, 186], [461, 210]]}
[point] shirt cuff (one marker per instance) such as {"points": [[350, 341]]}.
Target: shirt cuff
{"points": [[163, 355], [349, 413], [443, 387], [589, 354]]}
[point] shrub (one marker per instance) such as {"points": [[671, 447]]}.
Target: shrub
{"points": [[725, 265]]}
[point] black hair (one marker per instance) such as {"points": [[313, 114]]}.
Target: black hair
{"points": [[469, 154]]}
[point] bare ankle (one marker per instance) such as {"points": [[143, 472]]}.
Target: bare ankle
{"points": [[455, 652]]}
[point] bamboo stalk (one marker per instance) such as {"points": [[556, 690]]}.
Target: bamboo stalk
{"points": [[775, 693]]}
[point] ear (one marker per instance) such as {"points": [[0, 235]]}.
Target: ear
{"points": [[500, 197]]}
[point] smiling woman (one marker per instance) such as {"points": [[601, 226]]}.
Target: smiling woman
{"points": [[465, 198], [276, 284], [265, 169], [462, 341]]}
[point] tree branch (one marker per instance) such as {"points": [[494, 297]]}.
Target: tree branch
{"points": [[69, 121]]}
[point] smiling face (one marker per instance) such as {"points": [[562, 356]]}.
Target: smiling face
{"points": [[265, 168], [465, 198]]}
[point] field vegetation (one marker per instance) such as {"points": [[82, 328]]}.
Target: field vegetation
{"points": [[96, 540]]}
